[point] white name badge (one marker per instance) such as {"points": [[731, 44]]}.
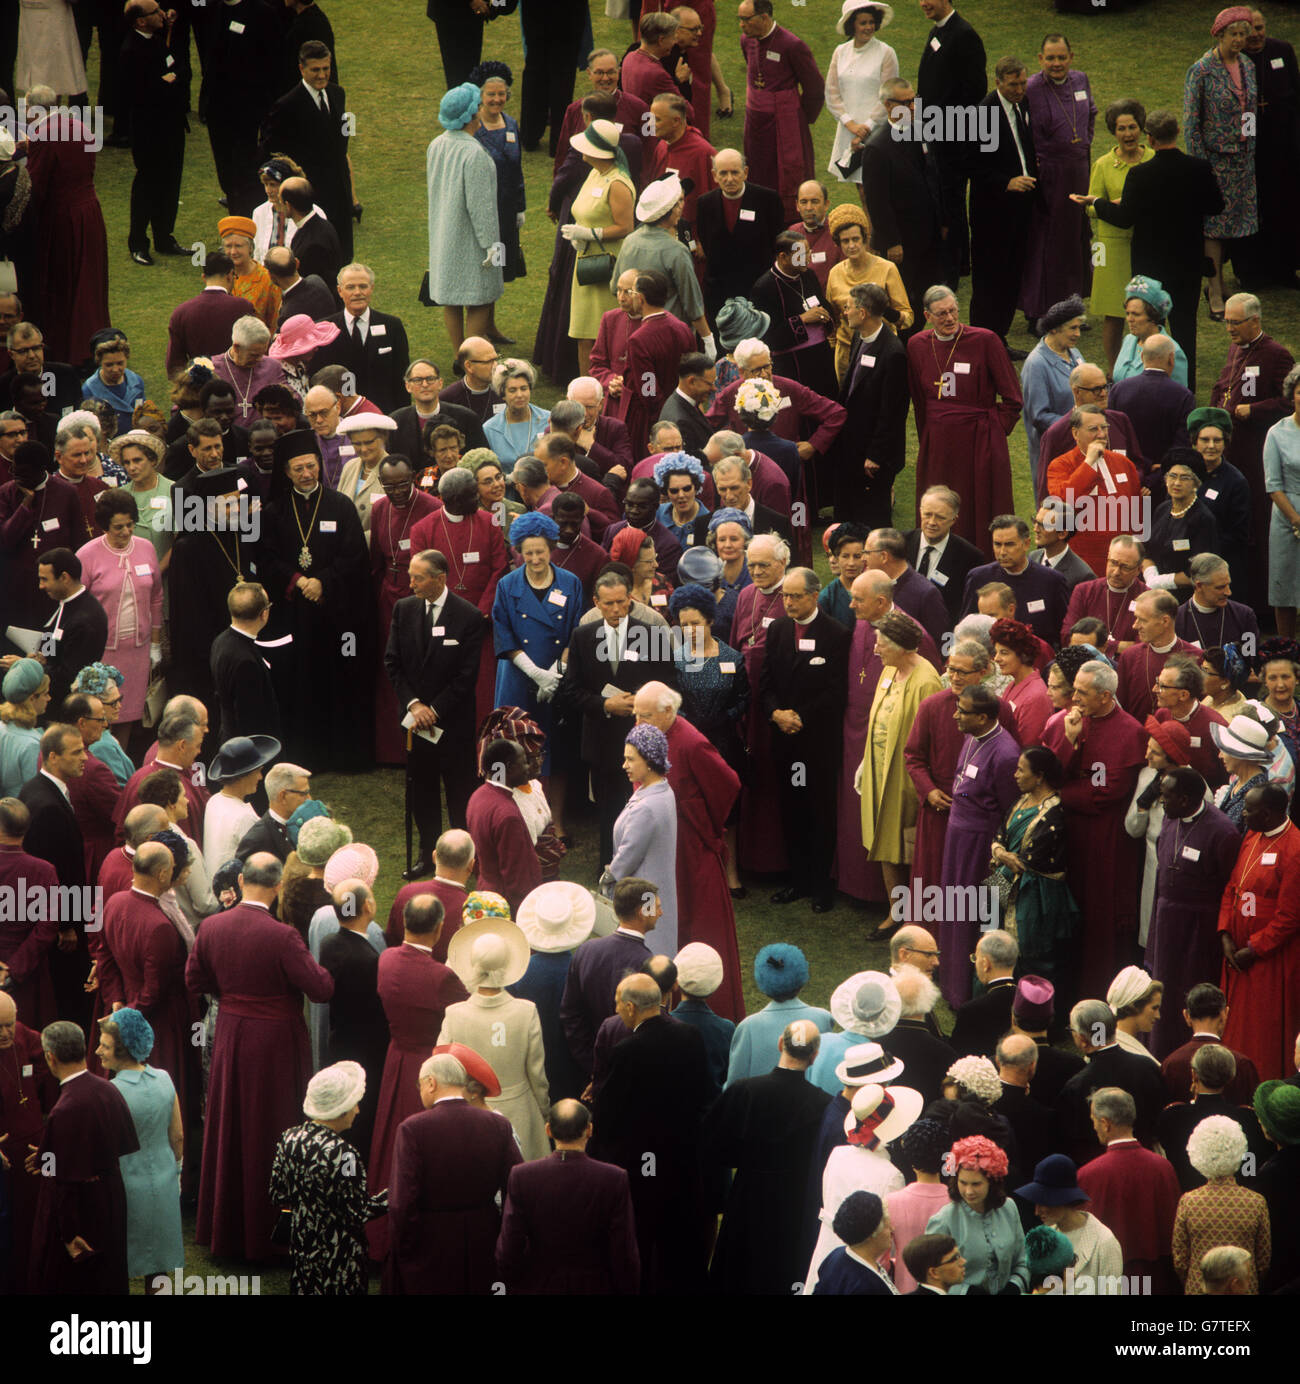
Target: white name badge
{"points": [[427, 482], [771, 56], [961, 367], [868, 361], [1122, 451], [48, 524], [767, 620], [598, 193], [658, 599], [1122, 478], [498, 408], [329, 526], [1034, 607], [510, 137], [236, 28], [346, 449], [1181, 545], [807, 646], [27, 1069], [558, 598], [1275, 62], [56, 634], [159, 502], [1012, 705], [972, 770], [170, 61], [378, 329], [1211, 494], [939, 578], [1133, 605], [1191, 853], [631, 655], [1251, 370], [1080, 95], [404, 544], [726, 667], [746, 214], [471, 557], [811, 303], [1195, 741], [1268, 858], [934, 44], [438, 631], [142, 569], [817, 257]]}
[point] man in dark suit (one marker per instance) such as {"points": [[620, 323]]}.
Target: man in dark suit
{"points": [[307, 123], [735, 485], [287, 786], [1050, 533], [60, 384], [652, 1104], [1032, 1012], [432, 661], [307, 21], [459, 24], [241, 677], [696, 379], [872, 442], [801, 692], [1032, 1122], [423, 384], [951, 73], [200, 326], [1155, 403], [886, 552], [610, 660], [983, 1020], [1041, 592], [77, 631], [298, 296], [942, 557], [371, 344], [316, 242], [915, 1039], [1003, 178], [1166, 205], [154, 102], [240, 72], [736, 225], [901, 187], [1212, 1071], [656, 352], [937, 1264], [567, 1225], [1206, 1014]]}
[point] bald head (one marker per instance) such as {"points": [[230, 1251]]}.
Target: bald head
{"points": [[1017, 1056], [8, 1018], [152, 866], [1086, 381], [638, 997], [144, 821], [914, 946], [798, 1044], [1158, 353]]}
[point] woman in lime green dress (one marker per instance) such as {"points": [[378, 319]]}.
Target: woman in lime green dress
{"points": [[602, 216], [1126, 120]]}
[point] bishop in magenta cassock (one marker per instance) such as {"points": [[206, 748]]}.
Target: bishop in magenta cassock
{"points": [[609, 355], [27, 1093], [259, 970], [25, 941], [393, 515], [761, 843], [967, 402], [504, 847], [1259, 930], [1112, 602]]}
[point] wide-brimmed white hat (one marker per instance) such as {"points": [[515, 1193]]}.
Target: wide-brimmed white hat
{"points": [[599, 139], [363, 422], [512, 956], [659, 198], [868, 1064], [867, 1003], [555, 917], [904, 1105], [1243, 738], [333, 1091], [851, 7], [699, 969]]}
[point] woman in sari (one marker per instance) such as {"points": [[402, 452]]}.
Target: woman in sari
{"points": [[1029, 857]]}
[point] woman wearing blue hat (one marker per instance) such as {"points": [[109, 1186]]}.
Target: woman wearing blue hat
{"points": [[26, 691], [1060, 1202], [1146, 312]]}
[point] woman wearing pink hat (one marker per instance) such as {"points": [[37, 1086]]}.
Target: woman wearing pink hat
{"points": [[299, 339]]}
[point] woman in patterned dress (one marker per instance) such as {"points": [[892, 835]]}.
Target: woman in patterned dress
{"points": [[319, 1177], [252, 280], [1222, 1212]]}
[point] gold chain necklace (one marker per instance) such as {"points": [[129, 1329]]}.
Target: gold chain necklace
{"points": [[304, 554]]}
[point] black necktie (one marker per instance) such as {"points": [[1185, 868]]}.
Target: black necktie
{"points": [[1022, 134], [927, 556]]}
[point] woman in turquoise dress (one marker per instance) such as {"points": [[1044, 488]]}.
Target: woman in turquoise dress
{"points": [[151, 1176], [513, 432], [1029, 854], [982, 1219], [1126, 120], [26, 690], [498, 133], [104, 681], [1146, 311], [1282, 482]]}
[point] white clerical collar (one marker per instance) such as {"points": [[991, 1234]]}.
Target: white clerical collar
{"points": [[144, 893], [939, 336], [762, 38], [658, 312], [275, 817], [630, 932], [737, 196], [63, 787], [1205, 610], [442, 879], [452, 518], [992, 730], [930, 1288], [1017, 571], [867, 340], [1277, 831], [1203, 1033], [73, 1077], [807, 619], [768, 590], [305, 495], [420, 947], [1197, 813], [1164, 648], [442, 1099], [939, 23], [73, 597]]}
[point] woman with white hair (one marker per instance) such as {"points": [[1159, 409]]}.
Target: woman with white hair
{"points": [[1222, 1212], [246, 368], [513, 432], [489, 955]]}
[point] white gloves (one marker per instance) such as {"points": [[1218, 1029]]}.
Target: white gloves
{"points": [[857, 779], [710, 347], [155, 655], [1160, 581], [519, 221], [548, 683], [577, 235]]}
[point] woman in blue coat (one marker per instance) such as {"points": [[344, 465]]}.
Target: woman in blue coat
{"points": [[534, 615], [1045, 375]]}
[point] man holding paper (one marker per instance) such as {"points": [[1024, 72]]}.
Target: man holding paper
{"points": [[432, 662]]}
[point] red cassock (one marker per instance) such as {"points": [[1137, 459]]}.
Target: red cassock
{"points": [[415, 991], [191, 780], [390, 562], [453, 898], [1261, 909], [784, 94], [805, 405], [116, 873], [699, 56], [1072, 479], [450, 1163], [967, 402], [1104, 861], [24, 943], [705, 787], [477, 559], [259, 970], [507, 859], [760, 842], [1139, 667], [27, 1092], [609, 357], [1134, 1193], [1114, 608], [141, 959], [692, 157], [823, 252], [94, 799], [653, 352]]}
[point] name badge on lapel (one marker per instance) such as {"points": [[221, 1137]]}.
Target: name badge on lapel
{"points": [[807, 646]]}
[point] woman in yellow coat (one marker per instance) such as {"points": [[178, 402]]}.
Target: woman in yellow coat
{"points": [[889, 804], [851, 231]]}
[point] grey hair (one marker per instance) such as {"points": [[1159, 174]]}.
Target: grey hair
{"points": [[1214, 1065], [918, 993], [975, 626], [567, 416], [457, 484], [1104, 677], [780, 548], [250, 331], [528, 471], [1289, 384], [1089, 1016], [936, 293], [281, 776], [445, 1069], [751, 349], [356, 267], [1079, 410], [893, 87], [879, 582], [1023, 1051], [1204, 565], [607, 581], [946, 493], [812, 583], [176, 726], [512, 369], [143, 820], [1077, 373], [584, 382], [665, 698], [64, 1041], [999, 949], [74, 428], [656, 27], [871, 298], [1115, 1104], [729, 443], [975, 650], [642, 991], [1157, 347], [1225, 1262], [350, 898], [265, 876], [1247, 302], [1188, 675]]}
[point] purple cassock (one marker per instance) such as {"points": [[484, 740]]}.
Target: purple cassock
{"points": [[983, 791], [94, 798], [784, 94], [1104, 862], [761, 844], [855, 875], [1194, 860], [52, 520], [1057, 259], [595, 970], [568, 1228], [88, 1131], [24, 944], [116, 873], [27, 1093], [449, 1164], [1114, 608], [415, 991], [259, 970], [1041, 593], [448, 892]]}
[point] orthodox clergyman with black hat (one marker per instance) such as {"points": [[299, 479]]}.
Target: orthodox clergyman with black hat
{"points": [[316, 576]]}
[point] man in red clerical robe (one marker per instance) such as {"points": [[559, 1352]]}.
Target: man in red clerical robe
{"points": [[967, 402], [27, 1093], [706, 788], [38, 513], [1140, 666], [393, 516], [784, 94], [25, 939], [654, 353], [814, 207], [471, 540], [415, 991], [450, 1163], [259, 970], [189, 718], [687, 152], [824, 416], [1102, 488], [78, 1243], [1259, 929], [1112, 599], [453, 864], [696, 45], [608, 364], [1102, 749]]}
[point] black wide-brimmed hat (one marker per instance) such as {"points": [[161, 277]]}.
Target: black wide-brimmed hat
{"points": [[241, 755]]}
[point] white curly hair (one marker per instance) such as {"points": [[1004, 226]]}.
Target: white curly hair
{"points": [[978, 1076], [1216, 1146]]}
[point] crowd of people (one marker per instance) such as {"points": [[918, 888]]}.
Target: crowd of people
{"points": [[1058, 756]]}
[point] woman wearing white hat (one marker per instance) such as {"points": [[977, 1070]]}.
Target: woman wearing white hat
{"points": [[866, 1006], [1135, 998], [369, 433], [489, 955], [853, 80], [1243, 747]]}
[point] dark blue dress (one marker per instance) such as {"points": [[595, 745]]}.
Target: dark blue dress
{"points": [[506, 153]]}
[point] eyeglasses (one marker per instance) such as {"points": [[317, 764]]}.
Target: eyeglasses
{"points": [[490, 360], [95, 718], [917, 951], [321, 412], [1093, 388], [424, 379], [950, 1259]]}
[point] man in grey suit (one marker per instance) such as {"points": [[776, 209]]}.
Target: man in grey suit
{"points": [[1051, 534]]}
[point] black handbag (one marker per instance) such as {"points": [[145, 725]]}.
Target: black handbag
{"points": [[594, 269]]}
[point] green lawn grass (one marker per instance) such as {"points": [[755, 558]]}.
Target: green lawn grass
{"points": [[389, 55]]}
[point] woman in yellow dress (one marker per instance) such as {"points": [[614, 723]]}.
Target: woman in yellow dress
{"points": [[1126, 120], [252, 281], [602, 216], [851, 231]]}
